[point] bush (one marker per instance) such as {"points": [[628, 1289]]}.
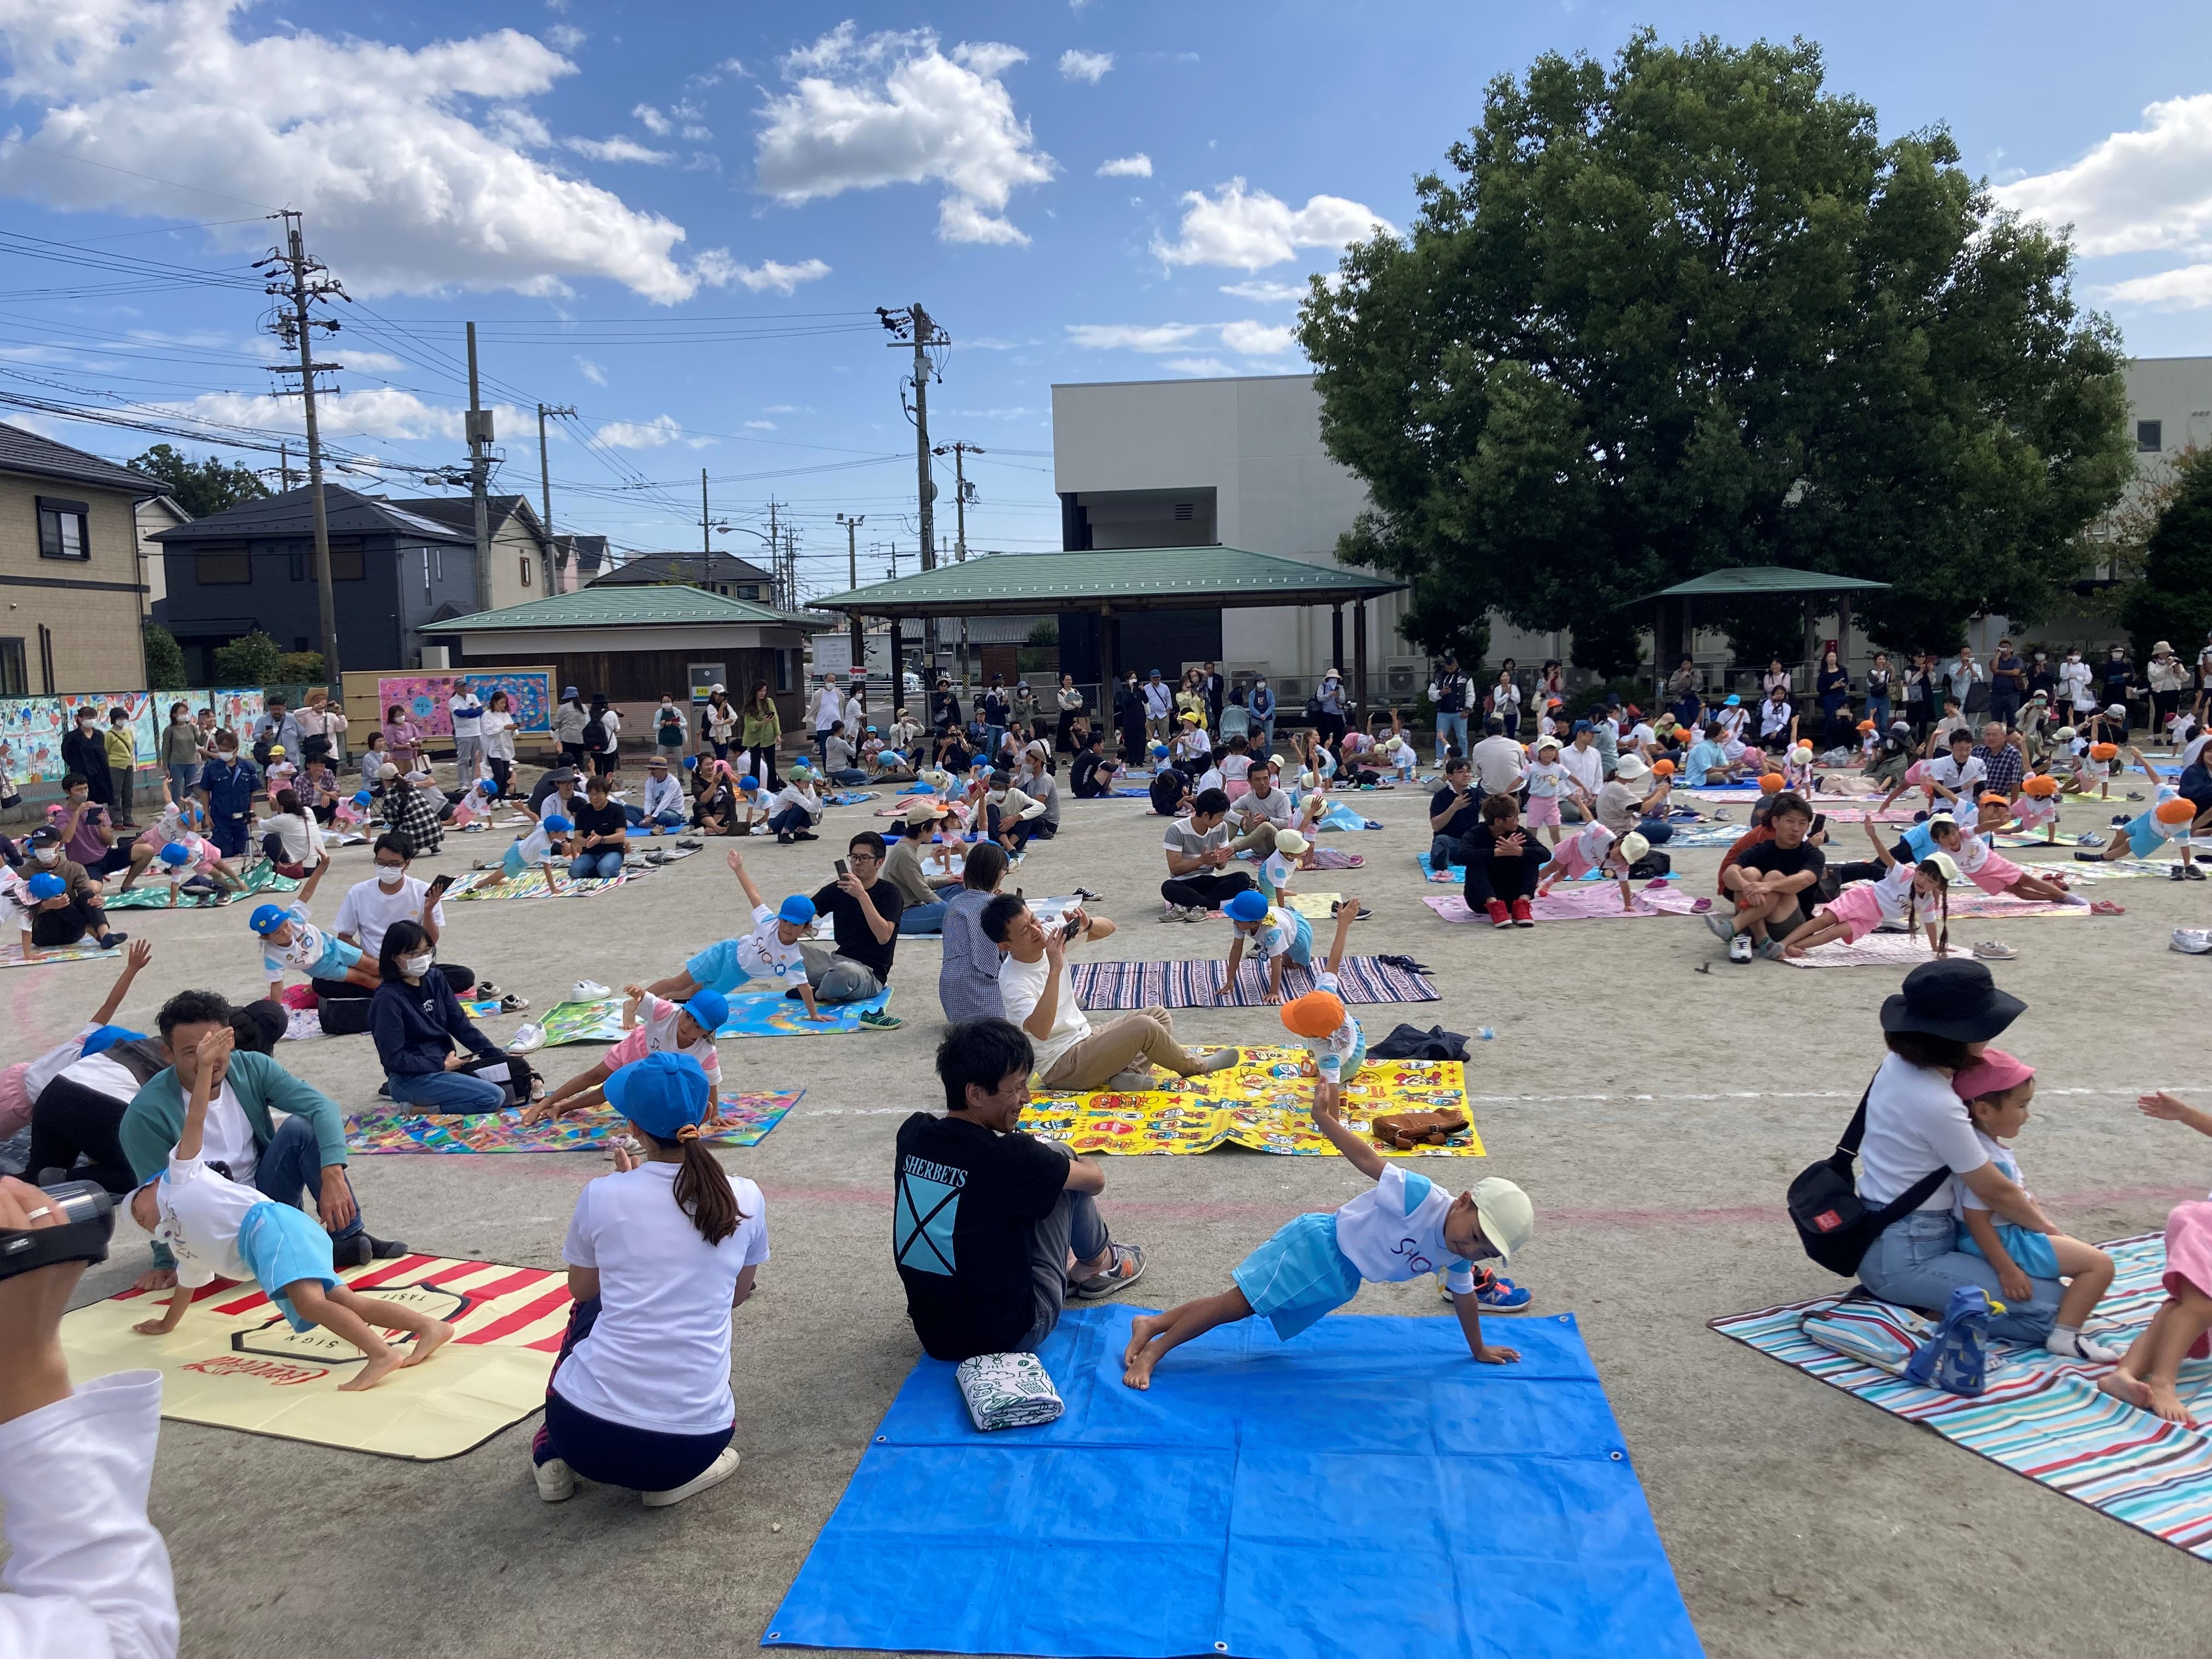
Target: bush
{"points": [[250, 659], [2175, 599], [299, 667], [165, 660]]}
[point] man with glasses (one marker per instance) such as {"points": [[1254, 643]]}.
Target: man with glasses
{"points": [[864, 912]]}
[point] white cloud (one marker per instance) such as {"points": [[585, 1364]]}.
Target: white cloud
{"points": [[653, 120], [1202, 367], [590, 371], [1250, 229], [1090, 66], [718, 270], [1245, 337], [760, 426], [617, 148], [781, 408], [1265, 292], [405, 189], [362, 412], [2133, 191], [2187, 288], [1139, 166], [565, 37], [1257, 339], [891, 108], [655, 434]]}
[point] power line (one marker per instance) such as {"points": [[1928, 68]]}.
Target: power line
{"points": [[105, 166]]}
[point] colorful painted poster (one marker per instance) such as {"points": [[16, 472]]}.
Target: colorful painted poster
{"points": [[31, 728], [423, 696]]}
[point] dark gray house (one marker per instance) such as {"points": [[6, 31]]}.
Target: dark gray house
{"points": [[253, 565], [725, 574]]}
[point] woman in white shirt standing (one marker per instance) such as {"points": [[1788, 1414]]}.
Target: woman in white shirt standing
{"points": [[659, 1253], [1916, 1127], [495, 733]]}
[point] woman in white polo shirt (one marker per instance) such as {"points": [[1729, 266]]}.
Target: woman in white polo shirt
{"points": [[1945, 1015], [659, 1253]]}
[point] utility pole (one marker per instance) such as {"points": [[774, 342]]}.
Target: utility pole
{"points": [[853, 580], [960, 451], [916, 325], [554, 561], [479, 431], [706, 534], [285, 465], [300, 284]]}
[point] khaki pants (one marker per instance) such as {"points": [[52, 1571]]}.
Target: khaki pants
{"points": [[1115, 1047], [1261, 839]]}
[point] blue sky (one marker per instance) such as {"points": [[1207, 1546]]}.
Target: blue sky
{"points": [[679, 220]]}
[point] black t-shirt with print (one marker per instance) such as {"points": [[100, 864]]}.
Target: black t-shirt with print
{"points": [[855, 939], [964, 1201], [607, 820], [1463, 822]]}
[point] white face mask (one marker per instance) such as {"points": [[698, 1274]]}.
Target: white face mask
{"points": [[49, 854], [414, 966], [388, 878]]}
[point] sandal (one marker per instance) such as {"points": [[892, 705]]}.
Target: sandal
{"points": [[1125, 1265], [1990, 951], [2106, 907]]}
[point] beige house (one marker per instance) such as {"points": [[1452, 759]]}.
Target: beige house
{"points": [[154, 516], [70, 569], [522, 553]]}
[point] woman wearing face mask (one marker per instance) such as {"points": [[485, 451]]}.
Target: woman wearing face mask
{"points": [[1129, 715], [671, 726], [422, 1033]]}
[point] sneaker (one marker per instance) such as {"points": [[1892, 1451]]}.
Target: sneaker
{"points": [[485, 990], [556, 1479], [1769, 948], [528, 1040], [1172, 913], [796, 834], [690, 843], [109, 941], [511, 1004], [1499, 915], [589, 990], [876, 1020], [1740, 947], [1524, 915], [1500, 1295], [1196, 914], [2174, 874], [2191, 873], [2089, 858], [724, 1466], [1125, 1265]]}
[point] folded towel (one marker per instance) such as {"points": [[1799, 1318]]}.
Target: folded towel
{"points": [[1008, 1391]]}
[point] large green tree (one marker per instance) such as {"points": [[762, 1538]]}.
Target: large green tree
{"points": [[1688, 312], [2174, 600], [202, 487]]}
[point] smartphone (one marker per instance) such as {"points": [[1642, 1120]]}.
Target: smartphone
{"points": [[439, 884], [842, 871]]}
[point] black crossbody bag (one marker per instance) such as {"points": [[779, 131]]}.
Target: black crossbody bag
{"points": [[1833, 1223]]}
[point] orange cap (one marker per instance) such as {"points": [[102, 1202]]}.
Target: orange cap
{"points": [[2174, 811], [1316, 1014], [2040, 785], [2104, 751], [1662, 768], [1769, 783], [1993, 799]]}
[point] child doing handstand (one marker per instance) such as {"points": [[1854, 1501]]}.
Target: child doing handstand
{"points": [[2149, 1378], [1996, 1089], [1401, 1228], [213, 1225], [1894, 896]]}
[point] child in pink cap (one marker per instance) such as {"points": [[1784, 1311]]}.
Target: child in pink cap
{"points": [[2149, 1377], [1996, 1089]]}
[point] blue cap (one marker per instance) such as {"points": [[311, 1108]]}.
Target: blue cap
{"points": [[1250, 905], [485, 785], [1158, 750], [709, 1011], [557, 824], [266, 919], [362, 798], [47, 885], [1731, 701], [748, 783], [108, 1037], [1582, 726], [176, 853], [661, 1093], [691, 762], [798, 911]]}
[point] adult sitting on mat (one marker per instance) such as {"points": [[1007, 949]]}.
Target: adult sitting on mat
{"points": [[554, 793], [1197, 849], [307, 1154], [50, 917], [78, 1109], [371, 906], [922, 891], [653, 1026], [1455, 814], [968, 977], [659, 1253], [601, 836], [1262, 813], [864, 912], [411, 814], [22, 1083], [1626, 808], [1038, 986], [1503, 861], [1938, 1022], [993, 1273], [664, 806], [1769, 882], [417, 1021]]}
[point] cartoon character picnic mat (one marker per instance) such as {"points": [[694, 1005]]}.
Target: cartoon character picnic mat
{"points": [[152, 894], [233, 1361], [1261, 1103], [529, 885], [752, 1013], [744, 1121], [11, 956]]}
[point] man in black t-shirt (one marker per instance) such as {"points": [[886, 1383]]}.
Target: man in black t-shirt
{"points": [[601, 836], [1455, 813], [1769, 881], [992, 1229], [1171, 791], [864, 912]]}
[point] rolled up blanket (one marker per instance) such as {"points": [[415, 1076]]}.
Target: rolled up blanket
{"points": [[1008, 1391]]}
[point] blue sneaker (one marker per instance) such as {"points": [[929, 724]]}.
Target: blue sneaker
{"points": [[1498, 1295]]}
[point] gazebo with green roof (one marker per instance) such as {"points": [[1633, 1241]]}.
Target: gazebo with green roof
{"points": [[1116, 583], [1673, 625]]}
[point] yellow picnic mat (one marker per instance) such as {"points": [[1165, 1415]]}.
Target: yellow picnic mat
{"points": [[1261, 1103], [234, 1362]]}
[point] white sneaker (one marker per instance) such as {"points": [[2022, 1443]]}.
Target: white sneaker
{"points": [[589, 990], [556, 1479], [714, 1474], [1195, 913], [1740, 948]]}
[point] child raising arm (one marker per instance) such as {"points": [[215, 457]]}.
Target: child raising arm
{"points": [[2149, 1377]]}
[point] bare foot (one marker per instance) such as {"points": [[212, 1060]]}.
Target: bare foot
{"points": [[380, 1364], [423, 1347], [1142, 1329], [2168, 1404], [2122, 1387], [1139, 1372]]}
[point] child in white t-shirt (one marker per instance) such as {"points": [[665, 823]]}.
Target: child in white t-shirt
{"points": [[537, 846], [215, 1226], [1278, 867], [770, 953], [1402, 1228], [1549, 783]]}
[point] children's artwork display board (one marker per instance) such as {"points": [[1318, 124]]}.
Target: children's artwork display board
{"points": [[31, 728], [530, 690]]}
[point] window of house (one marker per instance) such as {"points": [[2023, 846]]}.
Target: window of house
{"points": [[782, 670], [63, 528], [299, 564], [751, 591], [15, 669], [346, 563], [2150, 436], [224, 570], [525, 563]]}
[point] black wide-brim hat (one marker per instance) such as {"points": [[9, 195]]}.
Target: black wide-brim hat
{"points": [[1957, 999]]}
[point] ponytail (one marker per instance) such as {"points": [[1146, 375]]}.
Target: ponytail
{"points": [[703, 1189], [1943, 939]]}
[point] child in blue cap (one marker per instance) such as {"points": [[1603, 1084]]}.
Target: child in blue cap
{"points": [[659, 1253], [655, 1026], [290, 938], [50, 917], [1277, 933], [768, 955], [535, 846]]}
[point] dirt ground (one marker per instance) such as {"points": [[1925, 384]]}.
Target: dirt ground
{"points": [[1653, 1112]]}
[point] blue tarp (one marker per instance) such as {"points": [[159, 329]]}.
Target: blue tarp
{"points": [[1365, 1489]]}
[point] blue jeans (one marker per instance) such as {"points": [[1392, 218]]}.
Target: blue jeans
{"points": [[791, 820], [1451, 733], [1657, 831], [605, 863], [666, 820], [1878, 712], [922, 918], [1916, 1263], [848, 777], [447, 1091], [183, 779], [292, 1163]]}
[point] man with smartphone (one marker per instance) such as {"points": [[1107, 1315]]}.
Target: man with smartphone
{"points": [[371, 906], [1455, 812]]}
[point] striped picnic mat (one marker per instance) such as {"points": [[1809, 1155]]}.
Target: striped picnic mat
{"points": [[1116, 985], [2043, 1417]]}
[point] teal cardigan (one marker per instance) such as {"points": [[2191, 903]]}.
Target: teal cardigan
{"points": [[155, 1117]]}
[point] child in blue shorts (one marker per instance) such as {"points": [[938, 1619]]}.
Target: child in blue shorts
{"points": [[1405, 1226], [1277, 935], [536, 848], [217, 1226]]}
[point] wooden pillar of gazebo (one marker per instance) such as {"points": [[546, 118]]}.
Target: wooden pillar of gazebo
{"points": [[1359, 662], [1109, 631]]}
